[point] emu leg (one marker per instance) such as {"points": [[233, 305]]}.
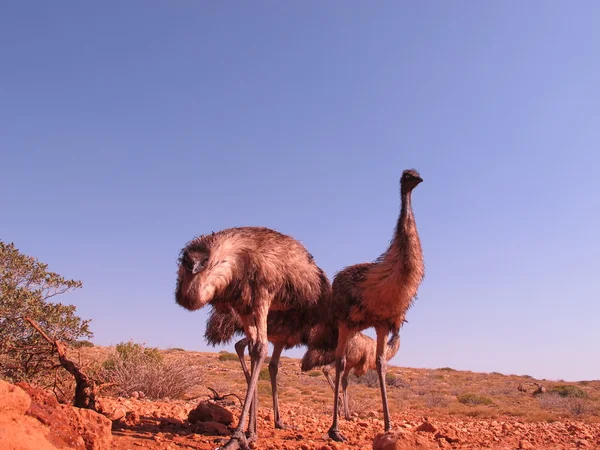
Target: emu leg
{"points": [[327, 373], [255, 326], [345, 396], [273, 370], [239, 349], [340, 366], [381, 363]]}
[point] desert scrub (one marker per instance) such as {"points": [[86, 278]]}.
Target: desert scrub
{"points": [[264, 374], [569, 391], [226, 356], [133, 367], [474, 399], [447, 369], [82, 343], [314, 373], [393, 380], [435, 399]]}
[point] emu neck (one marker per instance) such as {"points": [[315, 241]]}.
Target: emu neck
{"points": [[403, 260], [406, 214], [406, 228]]}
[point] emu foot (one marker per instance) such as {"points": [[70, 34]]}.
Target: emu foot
{"points": [[335, 434], [251, 436], [238, 441]]}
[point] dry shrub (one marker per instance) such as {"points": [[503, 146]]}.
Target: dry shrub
{"points": [[576, 406], [569, 391], [363, 406], [264, 374], [395, 381], [474, 399], [370, 379], [226, 356], [132, 367], [435, 399]]}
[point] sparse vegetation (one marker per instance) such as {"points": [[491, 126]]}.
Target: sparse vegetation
{"points": [[133, 367], [447, 369], [226, 356], [82, 343], [424, 390], [474, 399], [569, 391], [264, 374]]}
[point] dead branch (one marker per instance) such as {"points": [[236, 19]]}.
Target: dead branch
{"points": [[85, 390], [216, 397]]}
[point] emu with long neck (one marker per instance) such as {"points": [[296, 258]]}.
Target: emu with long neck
{"points": [[378, 294]]}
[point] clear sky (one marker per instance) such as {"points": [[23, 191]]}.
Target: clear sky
{"points": [[128, 128]]}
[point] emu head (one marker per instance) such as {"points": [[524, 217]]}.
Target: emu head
{"points": [[192, 291], [410, 179]]}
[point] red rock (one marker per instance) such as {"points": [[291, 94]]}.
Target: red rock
{"points": [[401, 440], [447, 435], [62, 426], [210, 412], [525, 445], [18, 431], [426, 427], [211, 428], [132, 418]]}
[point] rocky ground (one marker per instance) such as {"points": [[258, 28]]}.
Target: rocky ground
{"points": [[160, 425], [431, 409]]}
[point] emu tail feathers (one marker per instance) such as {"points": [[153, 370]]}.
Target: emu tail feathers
{"points": [[393, 345], [221, 327], [317, 358]]}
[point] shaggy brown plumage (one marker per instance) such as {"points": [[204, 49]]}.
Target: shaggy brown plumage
{"points": [[379, 294], [252, 271], [360, 357]]}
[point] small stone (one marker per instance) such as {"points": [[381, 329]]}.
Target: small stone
{"points": [[426, 427], [447, 435], [525, 445]]}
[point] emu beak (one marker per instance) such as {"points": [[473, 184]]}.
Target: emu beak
{"points": [[419, 180], [197, 267]]}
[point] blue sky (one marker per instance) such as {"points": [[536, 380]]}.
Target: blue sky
{"points": [[128, 128]]}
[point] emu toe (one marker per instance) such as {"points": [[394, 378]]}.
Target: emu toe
{"points": [[336, 435], [238, 441]]}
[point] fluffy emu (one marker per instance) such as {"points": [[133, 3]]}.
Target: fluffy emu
{"points": [[360, 357], [379, 294], [251, 271]]}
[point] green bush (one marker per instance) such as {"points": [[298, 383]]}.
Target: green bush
{"points": [[569, 391], [226, 356], [314, 373], [264, 374], [447, 369], [474, 399]]}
